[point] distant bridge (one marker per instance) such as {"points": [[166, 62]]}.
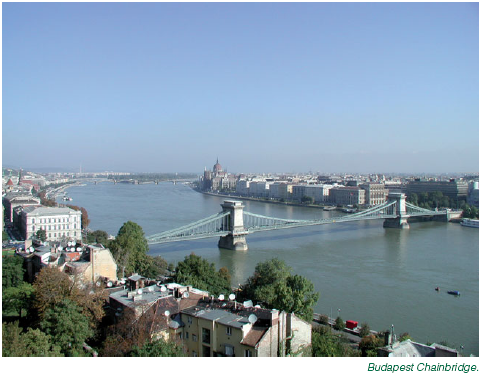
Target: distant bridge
{"points": [[232, 224]]}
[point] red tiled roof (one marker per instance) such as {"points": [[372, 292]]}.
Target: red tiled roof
{"points": [[254, 336]]}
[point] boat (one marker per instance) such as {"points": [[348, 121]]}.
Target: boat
{"points": [[466, 222], [454, 292], [67, 199]]}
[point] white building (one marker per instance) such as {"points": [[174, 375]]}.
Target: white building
{"points": [[58, 222], [320, 193], [259, 189]]}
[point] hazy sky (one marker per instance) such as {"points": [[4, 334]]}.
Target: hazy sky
{"points": [[155, 87]]}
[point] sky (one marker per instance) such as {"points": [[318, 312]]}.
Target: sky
{"points": [[263, 87]]}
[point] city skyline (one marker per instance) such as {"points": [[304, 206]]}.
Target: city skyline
{"points": [[157, 87]]}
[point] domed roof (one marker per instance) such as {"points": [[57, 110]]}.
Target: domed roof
{"points": [[217, 167]]}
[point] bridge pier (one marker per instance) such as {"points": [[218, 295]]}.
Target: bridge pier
{"points": [[236, 239], [402, 217]]}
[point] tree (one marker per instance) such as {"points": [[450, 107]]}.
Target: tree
{"points": [[327, 344], [41, 235], [404, 336], [199, 273], [339, 324], [369, 345], [53, 287], [17, 298], [130, 248], [33, 343], [157, 267], [98, 236], [307, 199], [158, 348], [12, 271], [364, 330], [67, 326], [84, 216], [126, 334], [273, 285]]}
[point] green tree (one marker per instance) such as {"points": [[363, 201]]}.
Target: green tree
{"points": [[325, 343], [404, 336], [364, 330], [12, 271], [67, 326], [369, 345], [33, 343], [41, 235], [339, 324], [17, 298], [158, 348], [157, 267], [98, 236], [307, 200], [273, 285], [130, 248], [201, 274]]}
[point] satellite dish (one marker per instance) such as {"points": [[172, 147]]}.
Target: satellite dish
{"points": [[258, 306], [252, 318], [221, 297], [186, 294], [140, 291], [167, 313], [98, 284], [163, 288], [79, 249], [109, 284], [231, 297]]}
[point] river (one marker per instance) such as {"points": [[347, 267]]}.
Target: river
{"points": [[362, 271]]}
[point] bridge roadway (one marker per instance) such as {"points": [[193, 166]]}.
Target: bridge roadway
{"points": [[232, 224]]}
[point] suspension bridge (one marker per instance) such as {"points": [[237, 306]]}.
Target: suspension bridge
{"points": [[232, 224]]}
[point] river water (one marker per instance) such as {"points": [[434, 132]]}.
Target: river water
{"points": [[362, 271]]}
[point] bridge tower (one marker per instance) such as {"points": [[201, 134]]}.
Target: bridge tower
{"points": [[402, 217], [236, 239]]}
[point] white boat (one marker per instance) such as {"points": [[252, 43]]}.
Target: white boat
{"points": [[470, 223]]}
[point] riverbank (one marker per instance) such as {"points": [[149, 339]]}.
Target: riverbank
{"points": [[273, 202]]}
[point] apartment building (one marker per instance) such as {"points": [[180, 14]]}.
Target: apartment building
{"points": [[347, 195], [454, 189], [375, 194], [209, 327]]}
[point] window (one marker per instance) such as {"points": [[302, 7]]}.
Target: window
{"points": [[206, 336], [248, 353], [228, 331], [194, 337], [190, 320], [187, 335], [195, 354], [229, 350]]}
